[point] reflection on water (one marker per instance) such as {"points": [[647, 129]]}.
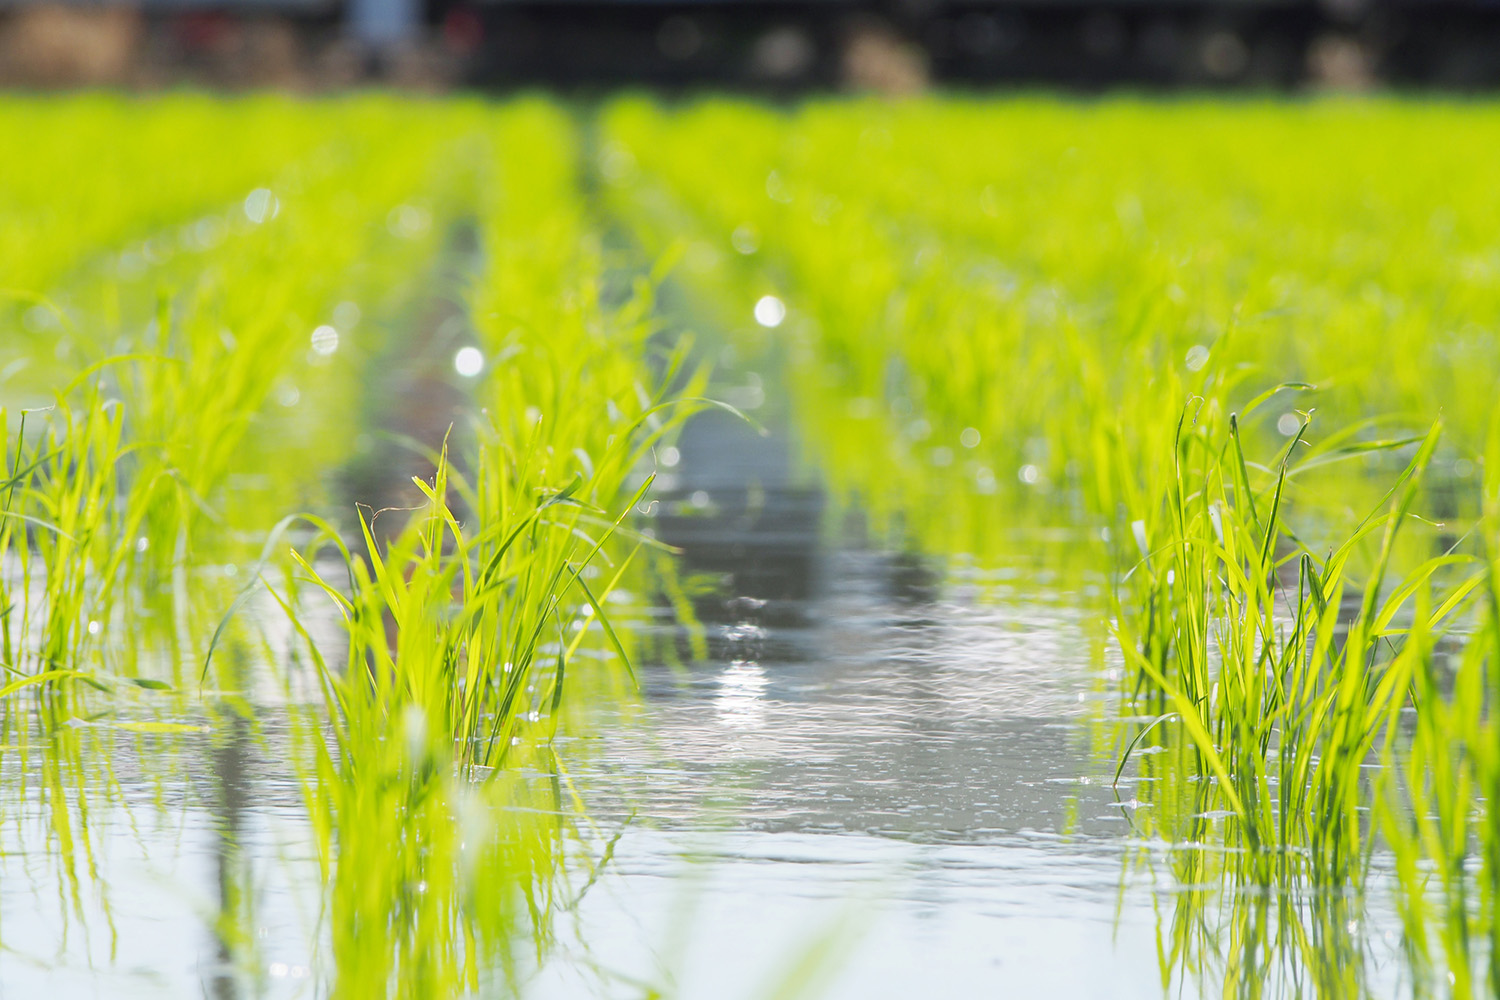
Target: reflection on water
{"points": [[154, 865], [741, 699], [236, 896]]}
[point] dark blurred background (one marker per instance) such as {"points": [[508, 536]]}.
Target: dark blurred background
{"points": [[763, 45]]}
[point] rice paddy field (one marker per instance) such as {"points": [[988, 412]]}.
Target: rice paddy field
{"points": [[851, 548]]}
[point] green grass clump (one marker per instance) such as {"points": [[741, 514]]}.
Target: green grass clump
{"points": [[1285, 687], [58, 529]]}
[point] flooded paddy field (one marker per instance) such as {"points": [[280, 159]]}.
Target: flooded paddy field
{"points": [[466, 549]]}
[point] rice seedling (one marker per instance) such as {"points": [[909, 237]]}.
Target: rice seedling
{"points": [[1265, 681], [1436, 799]]}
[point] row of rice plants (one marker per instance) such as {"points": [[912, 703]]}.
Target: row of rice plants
{"points": [[446, 820]]}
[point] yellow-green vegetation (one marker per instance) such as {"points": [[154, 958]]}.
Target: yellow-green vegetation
{"points": [[103, 174], [1234, 351]]}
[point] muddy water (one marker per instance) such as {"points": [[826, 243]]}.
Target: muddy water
{"points": [[885, 779]]}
